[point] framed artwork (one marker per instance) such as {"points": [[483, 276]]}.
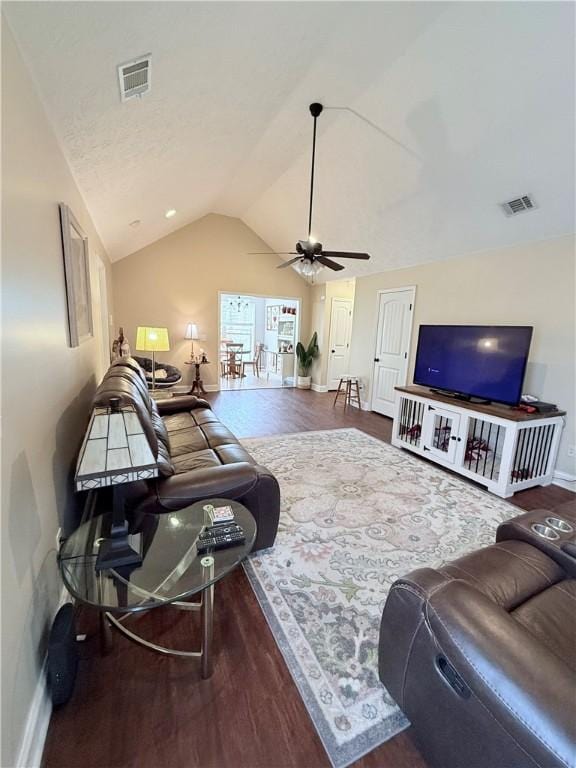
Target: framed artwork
{"points": [[272, 318], [77, 277]]}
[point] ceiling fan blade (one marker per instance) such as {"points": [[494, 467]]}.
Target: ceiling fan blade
{"points": [[271, 253], [345, 255], [289, 262], [329, 263]]}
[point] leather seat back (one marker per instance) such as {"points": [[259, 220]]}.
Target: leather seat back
{"points": [[124, 379]]}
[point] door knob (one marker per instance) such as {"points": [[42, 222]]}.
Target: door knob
{"points": [[333, 351], [376, 359]]}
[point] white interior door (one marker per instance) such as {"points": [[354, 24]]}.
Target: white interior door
{"points": [[395, 312], [340, 330]]}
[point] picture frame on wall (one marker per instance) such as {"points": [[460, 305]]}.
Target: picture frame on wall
{"points": [[272, 318], [77, 278]]}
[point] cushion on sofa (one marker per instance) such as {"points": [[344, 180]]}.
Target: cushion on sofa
{"points": [[205, 416], [176, 421], [217, 434], [187, 440], [196, 460], [230, 454]]}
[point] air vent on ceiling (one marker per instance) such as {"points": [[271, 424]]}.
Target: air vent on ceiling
{"points": [[519, 205], [135, 77]]}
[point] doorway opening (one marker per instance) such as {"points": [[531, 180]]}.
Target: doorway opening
{"points": [[258, 336]]}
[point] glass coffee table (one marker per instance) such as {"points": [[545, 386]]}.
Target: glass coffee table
{"points": [[171, 572]]}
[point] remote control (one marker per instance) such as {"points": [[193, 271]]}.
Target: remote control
{"points": [[219, 530], [219, 539]]}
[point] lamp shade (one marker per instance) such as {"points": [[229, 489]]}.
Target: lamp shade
{"points": [[191, 332], [115, 450], [152, 339]]}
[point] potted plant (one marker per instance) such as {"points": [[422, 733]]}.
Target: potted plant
{"points": [[306, 356]]}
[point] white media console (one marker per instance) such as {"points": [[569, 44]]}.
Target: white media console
{"points": [[506, 450]]}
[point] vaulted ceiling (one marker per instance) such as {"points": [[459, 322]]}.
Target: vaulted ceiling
{"points": [[478, 96]]}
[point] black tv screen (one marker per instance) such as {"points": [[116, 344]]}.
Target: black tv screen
{"points": [[484, 361]]}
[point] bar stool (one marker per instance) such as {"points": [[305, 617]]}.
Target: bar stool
{"points": [[349, 388]]}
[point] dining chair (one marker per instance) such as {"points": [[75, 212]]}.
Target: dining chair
{"points": [[234, 367], [255, 362]]}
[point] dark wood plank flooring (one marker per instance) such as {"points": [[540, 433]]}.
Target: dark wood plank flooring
{"points": [[136, 709]]}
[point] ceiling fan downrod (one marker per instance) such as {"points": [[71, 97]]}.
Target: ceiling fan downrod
{"points": [[315, 111]]}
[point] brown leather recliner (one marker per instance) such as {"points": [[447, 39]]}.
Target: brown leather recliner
{"points": [[480, 655], [198, 457]]}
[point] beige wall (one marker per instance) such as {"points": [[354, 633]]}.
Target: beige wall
{"points": [[525, 285], [46, 386], [176, 280], [322, 296]]}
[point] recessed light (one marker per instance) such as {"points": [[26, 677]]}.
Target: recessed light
{"points": [[135, 223], [170, 212]]}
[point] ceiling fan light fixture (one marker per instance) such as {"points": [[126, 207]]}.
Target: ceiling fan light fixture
{"points": [[307, 268]]}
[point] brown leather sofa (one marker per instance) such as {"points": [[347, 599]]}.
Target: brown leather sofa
{"points": [[198, 456], [480, 654]]}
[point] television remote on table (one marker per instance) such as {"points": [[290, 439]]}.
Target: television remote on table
{"points": [[220, 537]]}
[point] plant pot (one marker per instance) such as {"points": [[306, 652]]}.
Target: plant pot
{"points": [[304, 382]]}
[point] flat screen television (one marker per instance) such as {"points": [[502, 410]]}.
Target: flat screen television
{"points": [[483, 361]]}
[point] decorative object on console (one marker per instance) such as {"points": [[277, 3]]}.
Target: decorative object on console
{"points": [[115, 451], [153, 340], [306, 356], [120, 346], [77, 276], [192, 334]]}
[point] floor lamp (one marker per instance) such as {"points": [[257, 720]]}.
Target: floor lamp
{"points": [[152, 340]]}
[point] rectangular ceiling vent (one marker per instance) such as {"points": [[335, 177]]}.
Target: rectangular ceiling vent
{"points": [[135, 77], [519, 205]]}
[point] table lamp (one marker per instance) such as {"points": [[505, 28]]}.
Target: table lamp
{"points": [[152, 340], [192, 334], [115, 451]]}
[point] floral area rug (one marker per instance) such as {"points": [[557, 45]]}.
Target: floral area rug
{"points": [[356, 514]]}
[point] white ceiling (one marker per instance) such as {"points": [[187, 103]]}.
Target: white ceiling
{"points": [[482, 93]]}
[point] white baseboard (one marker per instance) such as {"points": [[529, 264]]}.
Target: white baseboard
{"points": [[319, 387], [39, 713], [564, 480], [364, 405], [212, 387]]}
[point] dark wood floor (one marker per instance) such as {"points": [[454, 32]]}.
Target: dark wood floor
{"points": [[133, 708]]}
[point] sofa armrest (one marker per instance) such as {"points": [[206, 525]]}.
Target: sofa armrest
{"points": [[402, 618], [178, 404], [527, 688], [230, 481]]}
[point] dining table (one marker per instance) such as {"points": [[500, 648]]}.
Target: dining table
{"points": [[232, 359]]}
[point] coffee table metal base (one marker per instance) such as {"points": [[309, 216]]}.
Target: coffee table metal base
{"points": [[206, 608]]}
